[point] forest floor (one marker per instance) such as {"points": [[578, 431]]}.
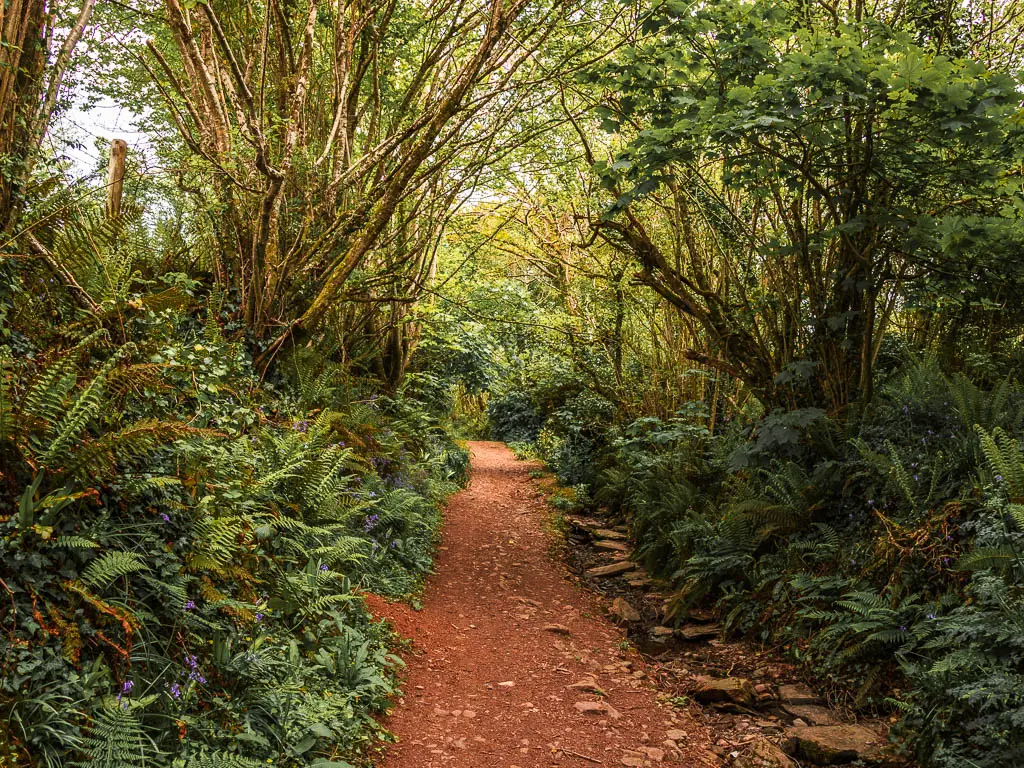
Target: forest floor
{"points": [[512, 664]]}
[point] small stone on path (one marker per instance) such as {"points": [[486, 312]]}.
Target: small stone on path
{"points": [[597, 708], [623, 610], [558, 629]]}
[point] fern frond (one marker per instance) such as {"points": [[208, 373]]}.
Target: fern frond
{"points": [[223, 760], [111, 566], [116, 739], [989, 558], [85, 407], [75, 542], [100, 458]]}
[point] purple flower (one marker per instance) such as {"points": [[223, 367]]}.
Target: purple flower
{"points": [[370, 522], [931, 615], [127, 686], [871, 502], [301, 426], [903, 629], [190, 605], [324, 568], [175, 691], [193, 666], [259, 617], [165, 517], [999, 478]]}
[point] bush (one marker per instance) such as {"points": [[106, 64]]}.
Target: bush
{"points": [[514, 418]]}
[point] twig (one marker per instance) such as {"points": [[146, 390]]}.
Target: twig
{"points": [[588, 758]]}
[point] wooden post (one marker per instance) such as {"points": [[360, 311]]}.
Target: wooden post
{"points": [[115, 176]]}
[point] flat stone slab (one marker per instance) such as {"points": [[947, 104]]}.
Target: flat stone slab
{"points": [[727, 690], [587, 523], [798, 693], [613, 569], [812, 714], [608, 533], [699, 632], [616, 546], [835, 744]]}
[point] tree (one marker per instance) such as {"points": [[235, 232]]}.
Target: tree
{"points": [[787, 168], [37, 44], [328, 142]]}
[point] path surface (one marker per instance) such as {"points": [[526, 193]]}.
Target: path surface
{"points": [[490, 679]]}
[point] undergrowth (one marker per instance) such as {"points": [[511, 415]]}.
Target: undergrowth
{"points": [[889, 560], [184, 539]]}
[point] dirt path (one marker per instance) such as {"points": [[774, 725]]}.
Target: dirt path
{"points": [[504, 636]]}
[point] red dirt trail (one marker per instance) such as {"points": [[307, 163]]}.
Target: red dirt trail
{"points": [[488, 685]]}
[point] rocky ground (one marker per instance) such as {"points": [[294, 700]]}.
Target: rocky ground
{"points": [[761, 713]]}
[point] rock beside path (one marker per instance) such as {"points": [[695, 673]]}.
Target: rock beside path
{"points": [[613, 546], [727, 690], [699, 632], [623, 610], [835, 744], [764, 754], [812, 714], [613, 569], [798, 693]]}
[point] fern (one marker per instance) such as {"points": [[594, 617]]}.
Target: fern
{"points": [[1004, 458], [990, 558], [84, 408], [111, 566], [902, 477], [75, 542], [117, 739], [222, 760]]}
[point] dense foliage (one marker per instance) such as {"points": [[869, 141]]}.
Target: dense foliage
{"points": [[184, 540], [745, 274]]}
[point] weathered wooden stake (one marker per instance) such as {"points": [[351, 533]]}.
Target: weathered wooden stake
{"points": [[115, 176]]}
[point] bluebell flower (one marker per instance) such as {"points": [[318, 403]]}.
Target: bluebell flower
{"points": [[175, 691]]}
